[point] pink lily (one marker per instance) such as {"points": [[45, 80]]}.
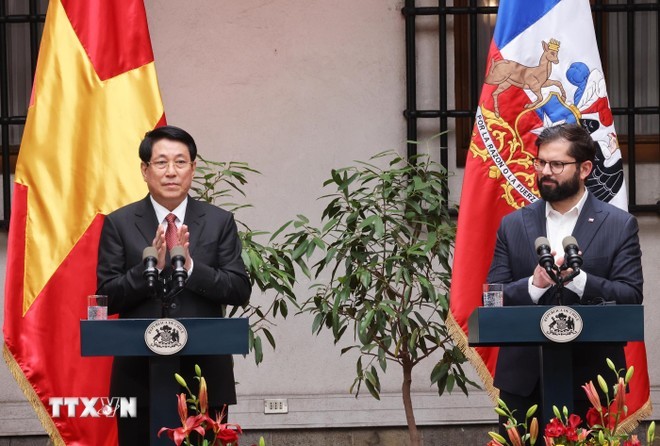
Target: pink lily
{"points": [[592, 395]]}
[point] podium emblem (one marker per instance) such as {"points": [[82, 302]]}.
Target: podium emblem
{"points": [[561, 324], [165, 336]]}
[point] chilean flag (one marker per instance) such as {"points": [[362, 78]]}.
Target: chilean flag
{"points": [[543, 69]]}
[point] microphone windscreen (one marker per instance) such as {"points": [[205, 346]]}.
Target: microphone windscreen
{"points": [[570, 240], [177, 251], [149, 251], [541, 241]]}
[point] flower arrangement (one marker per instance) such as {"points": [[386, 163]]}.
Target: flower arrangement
{"points": [[198, 423], [564, 429]]}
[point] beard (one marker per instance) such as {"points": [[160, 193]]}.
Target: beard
{"points": [[560, 191]]}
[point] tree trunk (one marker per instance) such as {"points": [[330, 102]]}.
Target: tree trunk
{"points": [[407, 403]]}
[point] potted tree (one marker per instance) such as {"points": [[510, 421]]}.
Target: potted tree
{"points": [[385, 248]]}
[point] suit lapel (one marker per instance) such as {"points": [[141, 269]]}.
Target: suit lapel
{"points": [[534, 222], [195, 219], [145, 220], [591, 218]]}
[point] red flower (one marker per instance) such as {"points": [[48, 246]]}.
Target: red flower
{"points": [[620, 397], [555, 428], [634, 441], [227, 436], [226, 433], [188, 424], [593, 417], [574, 420]]}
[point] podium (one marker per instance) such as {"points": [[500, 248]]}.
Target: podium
{"points": [[521, 326], [126, 337]]}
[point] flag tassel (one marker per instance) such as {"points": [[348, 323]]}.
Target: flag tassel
{"points": [[32, 397], [459, 337]]}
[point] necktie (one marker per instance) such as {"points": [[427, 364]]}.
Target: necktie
{"points": [[170, 233]]}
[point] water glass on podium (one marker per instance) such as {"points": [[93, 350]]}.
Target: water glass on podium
{"points": [[97, 307], [493, 295]]}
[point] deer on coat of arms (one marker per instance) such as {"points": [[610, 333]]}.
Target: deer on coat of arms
{"points": [[507, 73]]}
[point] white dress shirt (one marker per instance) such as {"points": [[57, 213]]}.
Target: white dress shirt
{"points": [[179, 211], [559, 226]]}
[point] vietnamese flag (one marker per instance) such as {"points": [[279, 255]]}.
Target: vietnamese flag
{"points": [[94, 96], [532, 37]]}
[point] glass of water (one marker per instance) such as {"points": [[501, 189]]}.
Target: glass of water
{"points": [[97, 307], [493, 294]]}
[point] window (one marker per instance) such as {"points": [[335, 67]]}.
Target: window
{"points": [[460, 36], [21, 25]]}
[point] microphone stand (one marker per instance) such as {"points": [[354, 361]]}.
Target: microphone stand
{"points": [[169, 291], [559, 280]]}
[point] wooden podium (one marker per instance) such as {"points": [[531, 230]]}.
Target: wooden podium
{"points": [[125, 337], [521, 326]]}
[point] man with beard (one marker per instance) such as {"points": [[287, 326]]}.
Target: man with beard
{"points": [[611, 272]]}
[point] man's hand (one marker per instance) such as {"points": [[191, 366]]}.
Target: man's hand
{"points": [[541, 277], [184, 240], [565, 272], [161, 247]]}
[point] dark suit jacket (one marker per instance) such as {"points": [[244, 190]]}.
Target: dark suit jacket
{"points": [[218, 278], [608, 239]]}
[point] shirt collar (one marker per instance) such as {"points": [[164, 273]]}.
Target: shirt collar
{"points": [[574, 210], [161, 211]]}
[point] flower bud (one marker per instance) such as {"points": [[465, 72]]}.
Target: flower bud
{"points": [[501, 412], [603, 385], [180, 380], [501, 403], [610, 364], [262, 442], [198, 370], [203, 396], [555, 409], [620, 396], [534, 431], [629, 374], [497, 437], [601, 437], [650, 434], [531, 411], [514, 435]]}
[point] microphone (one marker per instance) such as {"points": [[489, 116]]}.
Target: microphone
{"points": [[179, 275], [150, 259], [546, 260], [572, 255]]}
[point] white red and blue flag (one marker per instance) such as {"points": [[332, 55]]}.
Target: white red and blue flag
{"points": [[543, 69]]}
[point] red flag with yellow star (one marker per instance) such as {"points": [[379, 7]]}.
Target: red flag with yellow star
{"points": [[95, 94]]}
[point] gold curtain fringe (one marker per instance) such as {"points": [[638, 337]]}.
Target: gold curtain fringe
{"points": [[459, 337], [32, 397], [631, 422]]}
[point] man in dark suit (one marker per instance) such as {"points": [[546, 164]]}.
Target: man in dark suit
{"points": [[611, 273], [216, 273]]}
